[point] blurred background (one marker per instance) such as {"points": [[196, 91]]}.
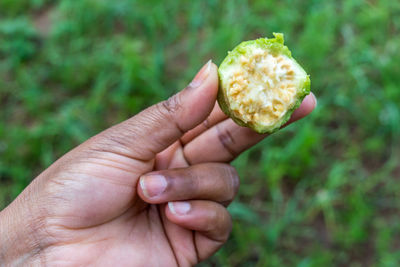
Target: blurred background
{"points": [[322, 192]]}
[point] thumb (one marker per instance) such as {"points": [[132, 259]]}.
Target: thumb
{"points": [[157, 127]]}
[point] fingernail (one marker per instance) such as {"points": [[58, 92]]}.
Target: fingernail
{"points": [[153, 185], [179, 208], [201, 75], [315, 100]]}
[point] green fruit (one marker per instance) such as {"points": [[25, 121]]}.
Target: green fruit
{"points": [[261, 84]]}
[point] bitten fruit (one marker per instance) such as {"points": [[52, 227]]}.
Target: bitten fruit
{"points": [[261, 84]]}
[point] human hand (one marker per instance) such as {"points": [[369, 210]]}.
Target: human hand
{"points": [[105, 202]]}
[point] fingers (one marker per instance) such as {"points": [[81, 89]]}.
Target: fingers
{"points": [[210, 181], [226, 140], [211, 221], [157, 127], [222, 143], [213, 185], [216, 116]]}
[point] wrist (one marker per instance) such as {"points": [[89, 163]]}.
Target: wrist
{"points": [[19, 232]]}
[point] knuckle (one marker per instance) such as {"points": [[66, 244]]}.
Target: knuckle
{"points": [[195, 184], [224, 226], [215, 219], [234, 181], [207, 123], [186, 183], [171, 105], [226, 140], [191, 187], [228, 228], [168, 109]]}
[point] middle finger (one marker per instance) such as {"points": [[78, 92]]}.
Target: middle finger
{"points": [[208, 181]]}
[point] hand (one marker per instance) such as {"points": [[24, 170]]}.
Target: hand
{"points": [[91, 206]]}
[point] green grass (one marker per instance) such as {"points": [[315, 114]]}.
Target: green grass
{"points": [[323, 192]]}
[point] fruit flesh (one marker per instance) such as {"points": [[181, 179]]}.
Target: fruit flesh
{"points": [[261, 84]]}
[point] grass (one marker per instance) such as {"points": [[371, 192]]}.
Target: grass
{"points": [[323, 192]]}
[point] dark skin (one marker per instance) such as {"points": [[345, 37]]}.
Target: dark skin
{"points": [[150, 191]]}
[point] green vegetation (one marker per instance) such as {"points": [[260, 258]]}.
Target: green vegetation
{"points": [[322, 192]]}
